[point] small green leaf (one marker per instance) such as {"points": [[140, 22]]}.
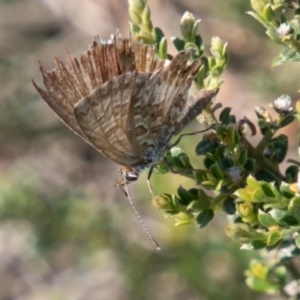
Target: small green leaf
{"points": [[243, 233], [204, 217], [165, 202], [287, 120], [283, 217], [200, 45], [159, 34], [184, 196], [297, 240], [263, 286], [267, 190], [178, 43], [259, 244], [249, 165], [243, 158], [224, 115], [206, 145], [279, 145], [266, 220], [294, 207], [291, 173], [274, 238], [244, 194], [287, 55], [217, 172], [258, 196], [286, 191], [185, 161], [162, 48], [208, 162], [183, 218], [266, 175], [290, 221], [229, 206], [253, 183], [203, 199]]}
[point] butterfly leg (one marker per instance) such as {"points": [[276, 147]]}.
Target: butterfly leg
{"points": [[189, 134], [149, 183]]}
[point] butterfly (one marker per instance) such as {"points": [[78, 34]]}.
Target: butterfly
{"points": [[124, 101]]}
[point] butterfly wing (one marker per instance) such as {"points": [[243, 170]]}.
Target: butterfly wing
{"points": [[104, 117], [158, 106], [67, 84]]}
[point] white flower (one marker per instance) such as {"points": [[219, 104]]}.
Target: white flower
{"points": [[283, 103], [284, 29]]}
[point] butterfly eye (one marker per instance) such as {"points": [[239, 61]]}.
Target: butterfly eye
{"points": [[131, 176]]}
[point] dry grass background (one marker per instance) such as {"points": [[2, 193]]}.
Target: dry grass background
{"points": [[65, 232]]}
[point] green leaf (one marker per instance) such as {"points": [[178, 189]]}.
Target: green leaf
{"points": [[206, 145], [266, 175], [266, 220], [162, 49], [291, 173], [200, 45], [204, 217], [243, 233], [203, 199], [217, 172], [159, 34], [166, 202], [283, 217], [208, 162], [253, 183], [289, 220], [249, 165], [279, 145], [287, 55], [244, 194], [259, 196], [178, 43], [297, 240], [243, 157], [274, 238], [294, 207], [184, 196], [202, 202], [183, 218], [224, 115], [229, 206], [264, 126], [267, 189], [263, 286], [287, 120], [185, 161], [259, 244]]}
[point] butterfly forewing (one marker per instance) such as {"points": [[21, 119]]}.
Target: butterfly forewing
{"points": [[110, 132]]}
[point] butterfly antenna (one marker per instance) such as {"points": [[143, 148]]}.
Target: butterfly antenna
{"points": [[155, 243]]}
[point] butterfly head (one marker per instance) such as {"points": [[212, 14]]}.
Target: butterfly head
{"points": [[127, 175]]}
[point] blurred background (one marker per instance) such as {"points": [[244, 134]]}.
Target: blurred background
{"points": [[65, 231]]}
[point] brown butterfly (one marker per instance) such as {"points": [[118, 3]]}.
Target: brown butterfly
{"points": [[124, 101]]}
